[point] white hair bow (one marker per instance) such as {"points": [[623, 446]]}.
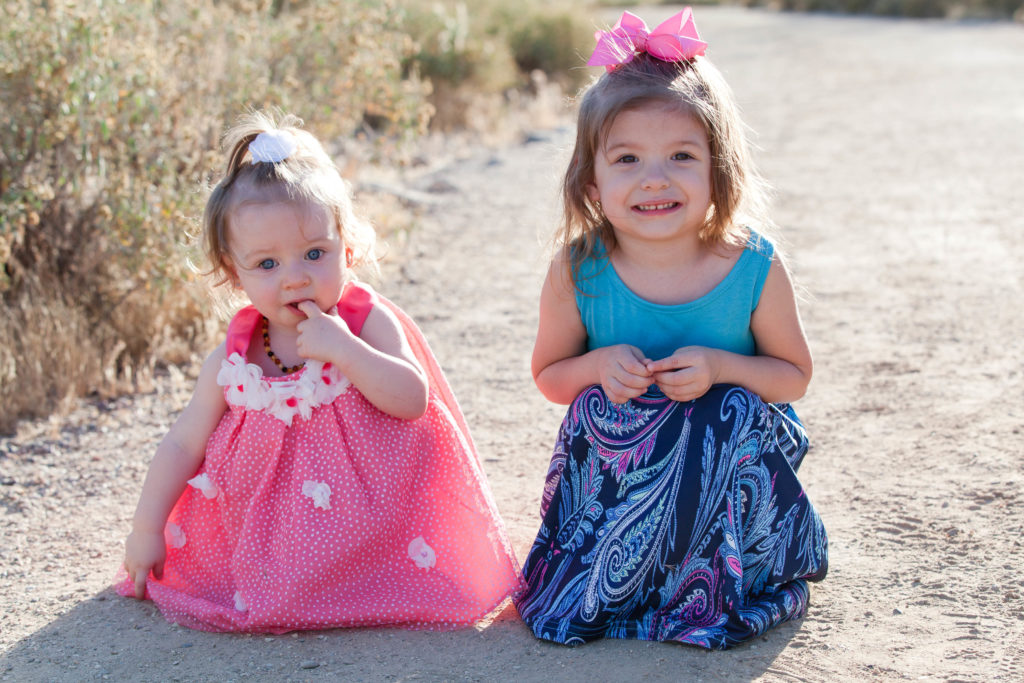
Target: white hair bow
{"points": [[272, 146]]}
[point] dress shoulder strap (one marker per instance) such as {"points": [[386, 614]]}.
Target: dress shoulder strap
{"points": [[241, 329], [357, 300], [764, 252]]}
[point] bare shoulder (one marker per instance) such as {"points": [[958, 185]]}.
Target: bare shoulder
{"points": [[206, 384], [381, 320], [383, 331], [559, 280], [199, 418], [217, 356]]}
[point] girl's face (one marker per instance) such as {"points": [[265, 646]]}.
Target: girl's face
{"points": [[653, 175], [282, 253]]}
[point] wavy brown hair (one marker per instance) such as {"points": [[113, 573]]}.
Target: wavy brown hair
{"points": [[694, 87]]}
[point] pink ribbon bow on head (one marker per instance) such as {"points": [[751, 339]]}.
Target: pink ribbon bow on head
{"points": [[674, 40]]}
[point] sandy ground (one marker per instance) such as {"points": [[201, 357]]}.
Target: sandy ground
{"points": [[897, 151]]}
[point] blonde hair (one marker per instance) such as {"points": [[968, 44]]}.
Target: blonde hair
{"points": [[692, 87], [307, 175]]}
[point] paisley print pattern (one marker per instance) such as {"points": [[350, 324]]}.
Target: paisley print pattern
{"points": [[673, 521]]}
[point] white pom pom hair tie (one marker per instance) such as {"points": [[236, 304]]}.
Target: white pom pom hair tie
{"points": [[272, 146]]}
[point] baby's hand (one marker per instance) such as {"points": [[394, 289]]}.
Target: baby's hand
{"points": [[686, 374], [623, 372], [321, 334], [144, 552]]}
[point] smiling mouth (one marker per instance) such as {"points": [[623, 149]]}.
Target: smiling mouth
{"points": [[663, 206]]}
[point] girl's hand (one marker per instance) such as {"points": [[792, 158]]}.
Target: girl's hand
{"points": [[686, 374], [144, 551], [623, 372], [321, 334], [379, 362]]}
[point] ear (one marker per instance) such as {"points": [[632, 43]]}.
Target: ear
{"points": [[592, 193], [349, 257]]}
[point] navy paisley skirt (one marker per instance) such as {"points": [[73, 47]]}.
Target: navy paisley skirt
{"points": [[673, 521]]}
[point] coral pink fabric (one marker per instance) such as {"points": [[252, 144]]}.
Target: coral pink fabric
{"points": [[317, 510]]}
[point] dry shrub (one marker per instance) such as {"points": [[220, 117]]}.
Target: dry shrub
{"points": [[479, 54], [109, 135], [110, 127]]}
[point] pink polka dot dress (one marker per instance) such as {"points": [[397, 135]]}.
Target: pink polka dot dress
{"points": [[314, 509]]}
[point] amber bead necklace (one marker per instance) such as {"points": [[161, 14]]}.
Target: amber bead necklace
{"points": [[273, 356]]}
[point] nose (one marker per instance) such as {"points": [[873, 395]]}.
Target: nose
{"points": [[655, 177], [295, 276]]}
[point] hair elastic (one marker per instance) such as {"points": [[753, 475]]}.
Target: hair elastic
{"points": [[272, 146]]}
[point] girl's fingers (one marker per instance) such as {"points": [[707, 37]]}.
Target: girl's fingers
{"points": [[629, 358], [635, 368], [631, 381], [310, 308], [664, 377], [671, 377], [666, 364], [140, 583], [617, 392], [639, 361]]}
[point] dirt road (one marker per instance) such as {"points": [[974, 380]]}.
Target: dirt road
{"points": [[897, 151]]}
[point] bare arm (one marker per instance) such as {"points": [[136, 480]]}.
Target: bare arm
{"points": [[379, 362], [780, 371], [561, 365], [177, 458]]}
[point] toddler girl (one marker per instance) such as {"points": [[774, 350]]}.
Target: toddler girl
{"points": [[322, 474], [671, 509]]}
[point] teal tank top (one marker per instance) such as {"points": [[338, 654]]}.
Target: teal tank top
{"points": [[614, 314]]}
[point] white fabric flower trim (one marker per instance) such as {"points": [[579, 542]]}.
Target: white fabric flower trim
{"points": [[240, 602], [319, 492], [421, 553], [273, 146], [174, 536], [246, 387], [204, 484]]}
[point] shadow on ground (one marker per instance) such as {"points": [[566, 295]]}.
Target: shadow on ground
{"points": [[89, 643]]}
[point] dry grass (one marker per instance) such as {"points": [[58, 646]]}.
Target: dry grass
{"points": [[109, 136], [106, 145]]}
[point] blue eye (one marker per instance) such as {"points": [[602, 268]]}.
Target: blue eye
{"points": [[266, 264], [315, 254]]}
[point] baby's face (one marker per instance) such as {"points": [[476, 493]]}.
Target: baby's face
{"points": [[283, 253]]}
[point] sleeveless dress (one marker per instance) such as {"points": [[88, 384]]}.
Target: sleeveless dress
{"points": [[674, 521], [314, 509]]}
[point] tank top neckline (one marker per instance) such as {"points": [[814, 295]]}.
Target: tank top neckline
{"points": [[706, 299]]}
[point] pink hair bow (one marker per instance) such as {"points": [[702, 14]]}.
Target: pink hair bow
{"points": [[674, 40]]}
